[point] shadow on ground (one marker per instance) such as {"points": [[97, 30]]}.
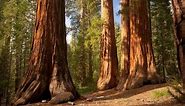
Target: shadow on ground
{"points": [[113, 94]]}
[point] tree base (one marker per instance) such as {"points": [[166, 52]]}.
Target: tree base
{"points": [[106, 84], [132, 83], [62, 98], [36, 91]]}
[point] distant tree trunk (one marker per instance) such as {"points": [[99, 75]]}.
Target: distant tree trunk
{"points": [[82, 55], [8, 62], [18, 71], [5, 68], [18, 61], [48, 75], [108, 53], [179, 28], [125, 43], [90, 62], [142, 68]]}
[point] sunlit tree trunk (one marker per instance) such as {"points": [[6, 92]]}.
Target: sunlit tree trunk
{"points": [[108, 53], [125, 43], [47, 76], [179, 28], [142, 68]]}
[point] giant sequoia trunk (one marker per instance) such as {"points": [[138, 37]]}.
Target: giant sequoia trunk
{"points": [[109, 61], [47, 74], [125, 43], [138, 47], [179, 21]]}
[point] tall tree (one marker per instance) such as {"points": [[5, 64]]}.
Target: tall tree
{"points": [[48, 75], [179, 28], [82, 34], [142, 68], [108, 52], [125, 42]]}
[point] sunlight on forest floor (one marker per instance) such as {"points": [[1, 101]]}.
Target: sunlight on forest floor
{"points": [[153, 95], [149, 95]]}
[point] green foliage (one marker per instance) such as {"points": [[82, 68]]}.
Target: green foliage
{"points": [[83, 50], [160, 93], [87, 89], [163, 39], [16, 25]]}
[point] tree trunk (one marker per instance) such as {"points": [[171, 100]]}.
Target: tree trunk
{"points": [[90, 62], [179, 28], [142, 68], [82, 55], [125, 43], [47, 75], [108, 53]]}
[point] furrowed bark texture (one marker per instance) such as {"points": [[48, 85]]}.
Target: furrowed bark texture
{"points": [[125, 43], [179, 28], [138, 52], [47, 74], [109, 61]]}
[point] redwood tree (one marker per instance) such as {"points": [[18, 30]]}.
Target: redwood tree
{"points": [[125, 42], [108, 52], [179, 28], [138, 46], [47, 75]]}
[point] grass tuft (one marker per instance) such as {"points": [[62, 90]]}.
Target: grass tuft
{"points": [[160, 93], [86, 90]]}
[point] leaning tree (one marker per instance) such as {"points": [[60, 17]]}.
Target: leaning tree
{"points": [[48, 76]]}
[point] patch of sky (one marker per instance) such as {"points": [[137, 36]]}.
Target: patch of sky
{"points": [[117, 20]]}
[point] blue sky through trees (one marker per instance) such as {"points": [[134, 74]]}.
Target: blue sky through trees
{"points": [[116, 17], [116, 9]]}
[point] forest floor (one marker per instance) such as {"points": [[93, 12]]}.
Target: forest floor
{"points": [[149, 95]]}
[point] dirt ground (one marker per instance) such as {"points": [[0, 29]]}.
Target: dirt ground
{"points": [[149, 95]]}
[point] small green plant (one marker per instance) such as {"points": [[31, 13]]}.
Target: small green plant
{"points": [[85, 90], [160, 93]]}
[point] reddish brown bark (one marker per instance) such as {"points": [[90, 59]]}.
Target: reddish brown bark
{"points": [[125, 43], [109, 61], [179, 28], [47, 75], [141, 68]]}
